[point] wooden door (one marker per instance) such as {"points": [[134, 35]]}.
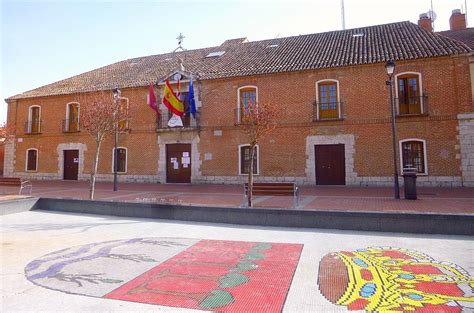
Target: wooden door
{"points": [[71, 164], [178, 163], [330, 164]]}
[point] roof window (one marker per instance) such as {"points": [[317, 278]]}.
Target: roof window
{"points": [[272, 46], [357, 35], [215, 54]]}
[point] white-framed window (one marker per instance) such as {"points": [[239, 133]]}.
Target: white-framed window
{"points": [[409, 93], [328, 104], [34, 119], [71, 123], [244, 160], [123, 108], [122, 160], [413, 155], [246, 95], [31, 164]]}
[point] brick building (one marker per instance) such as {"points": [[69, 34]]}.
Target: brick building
{"points": [[335, 125]]}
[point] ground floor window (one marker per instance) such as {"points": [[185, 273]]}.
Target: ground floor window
{"points": [[413, 155], [31, 160], [121, 160], [244, 159]]}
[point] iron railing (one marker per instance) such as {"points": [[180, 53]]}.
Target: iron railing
{"points": [[33, 127], [188, 120], [327, 111], [71, 126], [239, 116], [412, 105]]}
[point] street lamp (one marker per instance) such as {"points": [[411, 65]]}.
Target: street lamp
{"points": [[117, 93], [390, 67]]}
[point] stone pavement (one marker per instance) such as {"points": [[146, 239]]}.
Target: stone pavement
{"points": [[79, 263], [438, 200]]}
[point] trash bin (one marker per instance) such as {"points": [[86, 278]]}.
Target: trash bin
{"points": [[409, 182]]}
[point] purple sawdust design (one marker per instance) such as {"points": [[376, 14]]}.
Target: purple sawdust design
{"points": [[37, 263], [57, 267], [96, 269], [90, 278]]}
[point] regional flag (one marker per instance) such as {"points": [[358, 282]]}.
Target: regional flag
{"points": [[171, 101], [192, 103], [152, 99]]}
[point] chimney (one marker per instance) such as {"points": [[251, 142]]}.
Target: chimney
{"points": [[457, 21], [425, 22]]}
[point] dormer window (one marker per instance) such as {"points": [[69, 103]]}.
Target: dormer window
{"points": [[215, 54]]}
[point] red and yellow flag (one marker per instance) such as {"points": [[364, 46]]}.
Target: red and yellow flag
{"points": [[171, 101]]}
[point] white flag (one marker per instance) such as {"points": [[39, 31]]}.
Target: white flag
{"points": [[175, 121]]}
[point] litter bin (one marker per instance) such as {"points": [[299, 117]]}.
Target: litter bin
{"points": [[409, 182]]}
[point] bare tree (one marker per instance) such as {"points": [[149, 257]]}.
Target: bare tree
{"points": [[101, 113], [257, 120], [6, 132]]}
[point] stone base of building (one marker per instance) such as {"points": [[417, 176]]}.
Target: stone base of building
{"points": [[422, 181]]}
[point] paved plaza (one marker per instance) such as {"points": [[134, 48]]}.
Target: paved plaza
{"points": [[84, 263], [336, 198]]}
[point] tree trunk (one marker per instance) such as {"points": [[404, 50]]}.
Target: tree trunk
{"points": [[250, 182], [94, 170]]}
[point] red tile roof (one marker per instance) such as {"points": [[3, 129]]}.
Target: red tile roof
{"points": [[464, 35], [367, 45]]}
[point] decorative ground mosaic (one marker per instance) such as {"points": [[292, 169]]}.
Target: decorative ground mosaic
{"points": [[215, 275], [387, 279]]}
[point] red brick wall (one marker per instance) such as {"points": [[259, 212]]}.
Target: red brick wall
{"points": [[446, 81]]}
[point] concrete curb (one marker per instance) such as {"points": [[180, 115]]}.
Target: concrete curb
{"points": [[17, 205], [424, 223]]}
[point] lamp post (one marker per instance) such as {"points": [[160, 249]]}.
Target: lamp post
{"points": [[117, 93], [390, 67]]}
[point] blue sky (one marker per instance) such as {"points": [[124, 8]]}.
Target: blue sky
{"points": [[45, 41]]}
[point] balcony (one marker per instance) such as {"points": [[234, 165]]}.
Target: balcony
{"points": [[189, 122], [412, 106], [238, 116], [323, 111], [70, 126], [33, 127]]}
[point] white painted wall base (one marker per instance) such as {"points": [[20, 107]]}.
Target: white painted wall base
{"points": [[466, 141]]}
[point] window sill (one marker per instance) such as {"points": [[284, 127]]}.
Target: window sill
{"points": [[248, 174], [33, 134], [337, 119], [173, 129], [412, 115]]}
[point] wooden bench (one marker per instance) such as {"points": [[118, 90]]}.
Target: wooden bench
{"points": [[273, 189], [16, 182]]}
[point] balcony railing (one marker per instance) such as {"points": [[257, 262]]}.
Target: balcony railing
{"points": [[188, 121], [70, 126], [412, 105], [239, 116], [327, 111], [33, 127]]}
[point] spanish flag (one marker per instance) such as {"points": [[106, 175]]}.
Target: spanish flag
{"points": [[171, 101]]}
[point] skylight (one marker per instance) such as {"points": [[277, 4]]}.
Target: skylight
{"points": [[215, 54]]}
